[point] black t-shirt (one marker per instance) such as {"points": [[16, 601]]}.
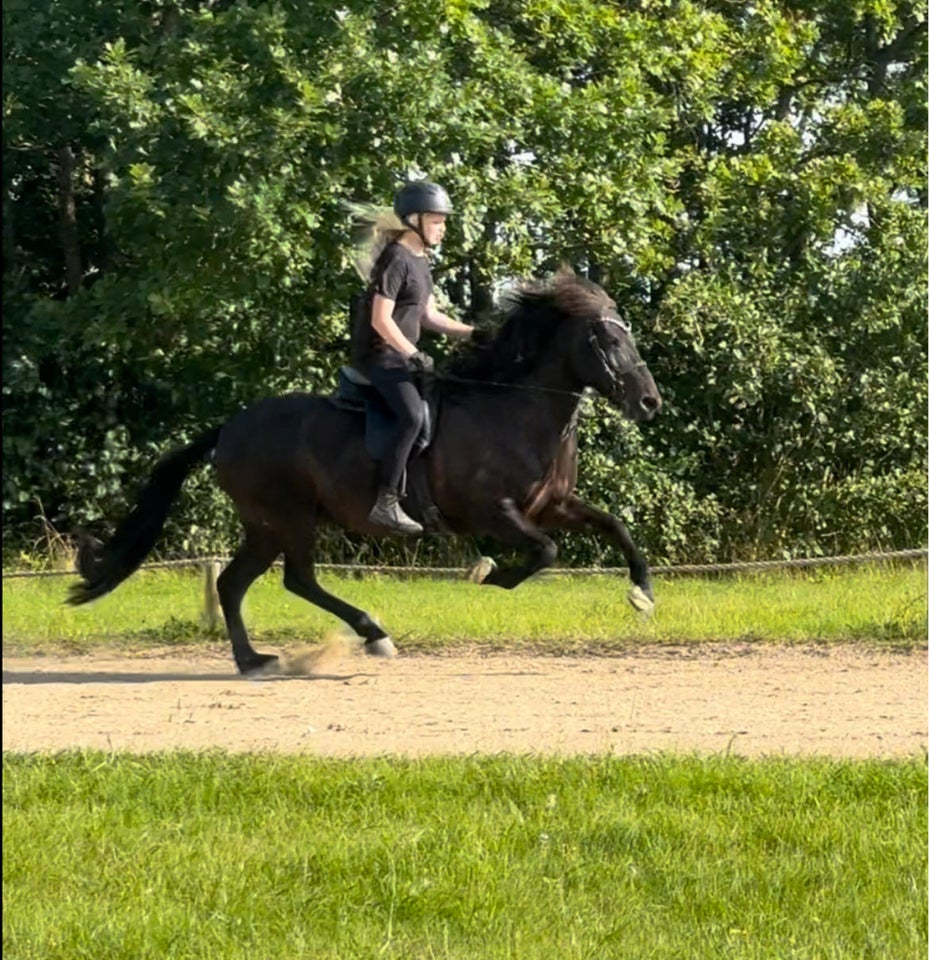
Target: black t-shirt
{"points": [[401, 276]]}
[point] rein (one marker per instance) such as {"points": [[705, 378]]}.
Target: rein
{"points": [[510, 386], [595, 346]]}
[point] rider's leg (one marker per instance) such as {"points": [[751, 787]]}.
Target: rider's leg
{"points": [[400, 394]]}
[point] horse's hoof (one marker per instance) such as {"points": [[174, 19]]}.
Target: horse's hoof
{"points": [[641, 601], [481, 570], [260, 665], [384, 647]]}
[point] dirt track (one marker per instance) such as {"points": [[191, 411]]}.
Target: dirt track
{"points": [[751, 700]]}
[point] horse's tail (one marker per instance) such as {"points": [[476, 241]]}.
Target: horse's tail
{"points": [[104, 566]]}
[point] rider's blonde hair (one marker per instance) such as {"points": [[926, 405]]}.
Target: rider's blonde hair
{"points": [[374, 227]]}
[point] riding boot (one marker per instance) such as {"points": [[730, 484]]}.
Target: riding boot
{"points": [[388, 513]]}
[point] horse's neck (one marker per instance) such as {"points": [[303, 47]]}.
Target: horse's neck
{"points": [[546, 415], [561, 394], [542, 404], [560, 407]]}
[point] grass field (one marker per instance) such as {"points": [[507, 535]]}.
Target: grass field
{"points": [[884, 604], [209, 856], [179, 855]]}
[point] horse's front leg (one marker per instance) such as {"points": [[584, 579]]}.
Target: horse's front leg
{"points": [[573, 514], [511, 526]]}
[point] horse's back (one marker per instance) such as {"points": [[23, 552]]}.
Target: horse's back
{"points": [[275, 422], [285, 446]]}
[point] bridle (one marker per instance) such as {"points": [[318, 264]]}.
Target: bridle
{"points": [[614, 374]]}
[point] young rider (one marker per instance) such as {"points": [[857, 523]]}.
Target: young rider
{"points": [[384, 344]]}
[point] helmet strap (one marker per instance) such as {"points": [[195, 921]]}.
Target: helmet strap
{"points": [[417, 228]]}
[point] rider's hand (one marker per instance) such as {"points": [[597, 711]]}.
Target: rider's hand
{"points": [[421, 363], [481, 337]]}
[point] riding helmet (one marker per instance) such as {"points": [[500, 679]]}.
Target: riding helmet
{"points": [[420, 196]]}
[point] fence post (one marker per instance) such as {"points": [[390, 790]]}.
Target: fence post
{"points": [[212, 611]]}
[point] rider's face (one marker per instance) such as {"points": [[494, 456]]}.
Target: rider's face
{"points": [[433, 227]]}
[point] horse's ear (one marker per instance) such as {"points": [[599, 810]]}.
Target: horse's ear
{"points": [[565, 273]]}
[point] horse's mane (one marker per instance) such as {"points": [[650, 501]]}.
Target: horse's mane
{"points": [[529, 319]]}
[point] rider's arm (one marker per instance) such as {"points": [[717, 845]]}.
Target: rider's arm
{"points": [[382, 319], [440, 323]]}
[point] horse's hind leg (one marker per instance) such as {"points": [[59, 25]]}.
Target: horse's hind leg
{"points": [[299, 578], [257, 552], [575, 514]]}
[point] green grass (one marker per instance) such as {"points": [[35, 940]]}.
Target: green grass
{"points": [[227, 856], [883, 604], [181, 855]]}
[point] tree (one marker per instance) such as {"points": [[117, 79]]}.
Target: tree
{"points": [[747, 180]]}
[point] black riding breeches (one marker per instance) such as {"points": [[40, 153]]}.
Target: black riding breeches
{"points": [[399, 392]]}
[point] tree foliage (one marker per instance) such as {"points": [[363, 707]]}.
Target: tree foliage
{"points": [[748, 180]]}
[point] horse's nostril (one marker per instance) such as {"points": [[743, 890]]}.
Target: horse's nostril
{"points": [[650, 403]]}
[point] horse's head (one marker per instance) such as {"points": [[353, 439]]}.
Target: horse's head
{"points": [[600, 348], [568, 334]]}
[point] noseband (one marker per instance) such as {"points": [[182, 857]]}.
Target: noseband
{"points": [[613, 373]]}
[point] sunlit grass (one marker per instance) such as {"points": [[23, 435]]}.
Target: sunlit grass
{"points": [[207, 856], [885, 604]]}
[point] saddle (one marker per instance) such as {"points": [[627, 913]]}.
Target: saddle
{"points": [[355, 393]]}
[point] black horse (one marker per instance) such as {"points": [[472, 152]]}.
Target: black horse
{"points": [[503, 462]]}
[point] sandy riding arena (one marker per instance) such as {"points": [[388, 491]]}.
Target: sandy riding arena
{"points": [[747, 699]]}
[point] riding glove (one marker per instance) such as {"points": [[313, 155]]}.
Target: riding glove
{"points": [[421, 363]]}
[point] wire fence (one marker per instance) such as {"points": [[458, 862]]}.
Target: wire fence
{"points": [[462, 572]]}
